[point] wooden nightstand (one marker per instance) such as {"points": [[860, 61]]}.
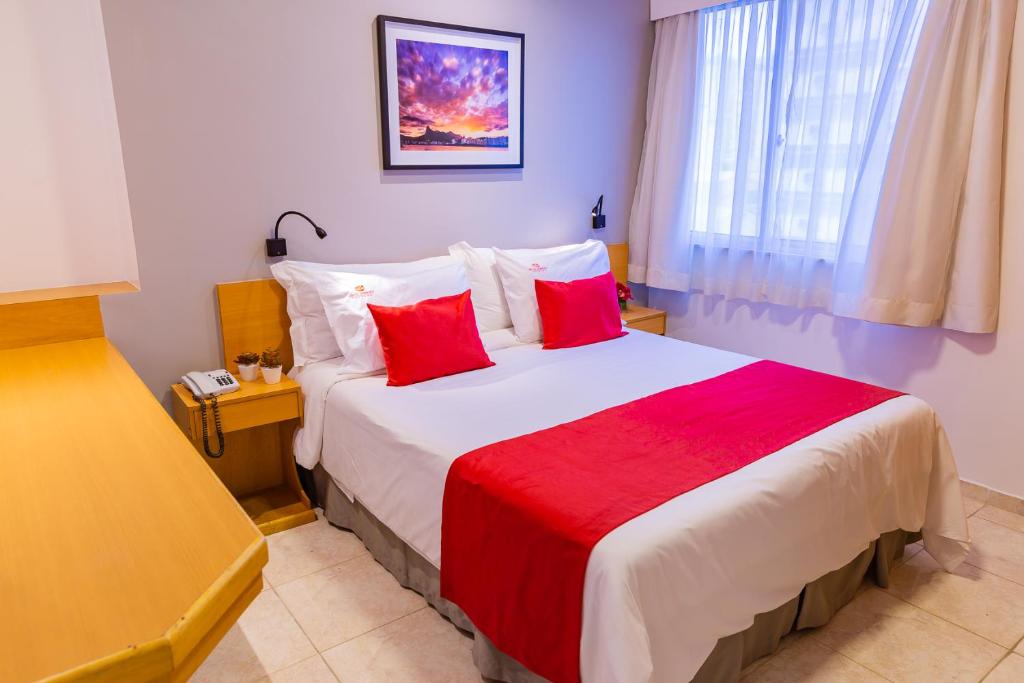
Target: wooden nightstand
{"points": [[646, 319], [258, 467]]}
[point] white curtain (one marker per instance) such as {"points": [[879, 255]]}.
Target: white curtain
{"points": [[930, 256], [767, 162], [655, 227]]}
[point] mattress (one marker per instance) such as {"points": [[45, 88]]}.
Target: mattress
{"points": [[663, 588]]}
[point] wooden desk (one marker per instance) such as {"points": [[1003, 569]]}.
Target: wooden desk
{"points": [[122, 557], [258, 467]]}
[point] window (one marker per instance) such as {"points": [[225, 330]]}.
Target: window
{"points": [[789, 94]]}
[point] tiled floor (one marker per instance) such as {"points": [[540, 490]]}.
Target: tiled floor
{"points": [[330, 613]]}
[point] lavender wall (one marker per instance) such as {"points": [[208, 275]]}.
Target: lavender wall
{"points": [[233, 111]]}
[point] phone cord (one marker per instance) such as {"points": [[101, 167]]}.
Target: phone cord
{"points": [[216, 422]]}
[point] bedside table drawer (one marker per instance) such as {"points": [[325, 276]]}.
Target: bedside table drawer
{"points": [[268, 409], [655, 325], [239, 415]]}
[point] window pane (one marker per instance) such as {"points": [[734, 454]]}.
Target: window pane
{"points": [[789, 92]]}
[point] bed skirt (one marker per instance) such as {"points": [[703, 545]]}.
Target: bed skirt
{"points": [[815, 605]]}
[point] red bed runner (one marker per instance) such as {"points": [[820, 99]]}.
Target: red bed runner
{"points": [[520, 517]]}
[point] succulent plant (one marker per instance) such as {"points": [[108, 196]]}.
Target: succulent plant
{"points": [[270, 358], [248, 358]]}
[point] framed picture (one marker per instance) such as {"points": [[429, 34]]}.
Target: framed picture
{"points": [[450, 96]]}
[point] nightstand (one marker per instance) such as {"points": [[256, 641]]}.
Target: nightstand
{"points": [[643, 318], [258, 467]]}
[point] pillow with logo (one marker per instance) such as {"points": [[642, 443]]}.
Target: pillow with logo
{"points": [[312, 339], [429, 339], [345, 297], [518, 268]]}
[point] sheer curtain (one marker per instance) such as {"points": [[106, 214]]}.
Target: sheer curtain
{"points": [[924, 249], [747, 185]]}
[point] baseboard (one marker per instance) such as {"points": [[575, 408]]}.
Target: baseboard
{"points": [[996, 499]]}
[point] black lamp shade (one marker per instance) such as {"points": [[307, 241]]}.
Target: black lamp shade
{"points": [[597, 214]]}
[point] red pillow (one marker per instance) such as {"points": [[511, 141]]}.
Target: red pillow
{"points": [[579, 312], [429, 339]]}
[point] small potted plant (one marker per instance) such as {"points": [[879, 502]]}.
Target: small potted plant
{"points": [[270, 366], [625, 295], [248, 365]]}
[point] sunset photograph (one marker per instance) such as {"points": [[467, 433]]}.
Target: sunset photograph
{"points": [[451, 97]]}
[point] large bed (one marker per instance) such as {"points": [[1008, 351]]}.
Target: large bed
{"points": [[672, 594]]}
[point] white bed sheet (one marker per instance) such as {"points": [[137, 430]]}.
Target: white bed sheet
{"points": [[663, 588], [316, 379]]}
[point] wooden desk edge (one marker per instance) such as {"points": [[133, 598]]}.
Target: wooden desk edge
{"points": [[180, 651]]}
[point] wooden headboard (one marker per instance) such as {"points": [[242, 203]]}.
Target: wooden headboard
{"points": [[618, 254], [254, 315]]}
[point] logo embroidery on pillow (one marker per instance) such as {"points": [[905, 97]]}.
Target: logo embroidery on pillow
{"points": [[537, 268], [361, 290]]}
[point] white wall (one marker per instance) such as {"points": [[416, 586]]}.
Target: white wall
{"points": [[235, 110], [975, 382], [65, 216]]}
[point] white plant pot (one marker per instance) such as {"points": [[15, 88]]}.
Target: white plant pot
{"points": [[250, 372], [271, 375]]}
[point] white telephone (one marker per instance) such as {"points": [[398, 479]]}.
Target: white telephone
{"points": [[210, 385]]}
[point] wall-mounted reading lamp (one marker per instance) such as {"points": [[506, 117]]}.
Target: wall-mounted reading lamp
{"points": [[276, 245], [597, 218]]}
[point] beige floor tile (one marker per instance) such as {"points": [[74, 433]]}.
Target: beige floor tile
{"points": [[420, 647], [997, 549], [809, 660], [312, 670], [981, 602], [885, 634], [308, 548], [1010, 670], [266, 639], [972, 505], [909, 552], [347, 600], [974, 491], [1020, 648], [1000, 516]]}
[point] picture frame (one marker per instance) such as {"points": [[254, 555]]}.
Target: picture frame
{"points": [[451, 96]]}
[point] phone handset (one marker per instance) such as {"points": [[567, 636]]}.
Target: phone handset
{"points": [[205, 385]]}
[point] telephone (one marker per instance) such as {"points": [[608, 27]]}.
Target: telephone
{"points": [[210, 385]]}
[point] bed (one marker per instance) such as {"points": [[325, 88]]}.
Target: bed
{"points": [[664, 588], [695, 588]]}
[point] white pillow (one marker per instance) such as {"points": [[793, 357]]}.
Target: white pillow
{"points": [[489, 305], [344, 297], [312, 339], [518, 268]]}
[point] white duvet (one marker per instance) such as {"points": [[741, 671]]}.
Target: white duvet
{"points": [[663, 588]]}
